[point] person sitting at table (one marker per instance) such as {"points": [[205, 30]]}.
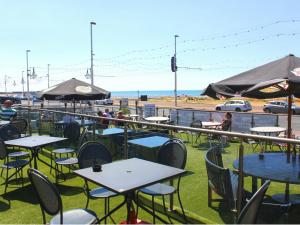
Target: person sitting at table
{"points": [[120, 115], [103, 123], [226, 122], [7, 112], [107, 113]]}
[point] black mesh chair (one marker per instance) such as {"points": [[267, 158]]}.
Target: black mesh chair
{"points": [[172, 153], [220, 180], [10, 132], [21, 125], [17, 164], [51, 203], [250, 211], [70, 161], [92, 153], [72, 132]]}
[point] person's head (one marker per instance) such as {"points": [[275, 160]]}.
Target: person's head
{"points": [[100, 113], [120, 114], [7, 103], [228, 115], [106, 110]]}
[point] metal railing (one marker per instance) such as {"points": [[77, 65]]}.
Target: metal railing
{"points": [[241, 136]]}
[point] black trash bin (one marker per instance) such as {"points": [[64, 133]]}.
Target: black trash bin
{"points": [[144, 98]]}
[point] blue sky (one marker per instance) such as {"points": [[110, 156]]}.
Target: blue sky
{"points": [[134, 40]]}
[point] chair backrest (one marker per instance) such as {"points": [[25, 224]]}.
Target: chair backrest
{"points": [[92, 153], [3, 152], [83, 138], [9, 132], [47, 193], [172, 153], [72, 132], [250, 211], [219, 178], [20, 124], [196, 124]]}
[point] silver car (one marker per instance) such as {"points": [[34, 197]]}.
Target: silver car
{"points": [[279, 107], [235, 105]]}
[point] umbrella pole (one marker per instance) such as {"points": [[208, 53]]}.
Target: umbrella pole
{"points": [[289, 125], [73, 105]]}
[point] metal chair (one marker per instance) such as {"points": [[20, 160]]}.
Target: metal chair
{"points": [[21, 125], [172, 153], [72, 132], [17, 164], [220, 180], [51, 203], [249, 213], [195, 124], [70, 161], [92, 153], [9, 132]]}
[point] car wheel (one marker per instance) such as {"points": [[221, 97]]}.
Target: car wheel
{"points": [[238, 110], [218, 108], [267, 110], [294, 112]]}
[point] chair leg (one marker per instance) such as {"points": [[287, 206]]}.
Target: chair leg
{"points": [[181, 206], [209, 195], [87, 201], [51, 159], [137, 205], [105, 210], [165, 210], [6, 181], [153, 209]]}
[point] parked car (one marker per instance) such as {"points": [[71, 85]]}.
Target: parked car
{"points": [[107, 101], [280, 107], [235, 105]]}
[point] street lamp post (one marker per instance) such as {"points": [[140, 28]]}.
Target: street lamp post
{"points": [[23, 82], [92, 54], [175, 59], [48, 76], [28, 100]]}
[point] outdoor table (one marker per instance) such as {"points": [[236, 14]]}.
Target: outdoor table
{"points": [[80, 122], [210, 124], [34, 144], [157, 119], [126, 176], [151, 143], [134, 117], [267, 131], [110, 133], [274, 167], [4, 122]]}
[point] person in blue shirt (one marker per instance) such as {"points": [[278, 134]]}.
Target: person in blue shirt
{"points": [[7, 112]]}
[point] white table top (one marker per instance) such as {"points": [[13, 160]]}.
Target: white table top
{"points": [[129, 175], [157, 118], [34, 141], [210, 123], [268, 129]]}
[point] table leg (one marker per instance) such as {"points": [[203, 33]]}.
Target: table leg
{"points": [[254, 185], [287, 192]]}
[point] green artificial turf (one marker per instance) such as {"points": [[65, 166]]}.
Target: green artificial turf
{"points": [[20, 206]]}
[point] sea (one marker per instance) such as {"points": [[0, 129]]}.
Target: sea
{"points": [[155, 94]]}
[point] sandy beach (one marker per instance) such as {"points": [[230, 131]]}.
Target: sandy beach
{"points": [[200, 103]]}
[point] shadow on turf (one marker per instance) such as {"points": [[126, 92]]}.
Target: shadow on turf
{"points": [[69, 190], [24, 194]]}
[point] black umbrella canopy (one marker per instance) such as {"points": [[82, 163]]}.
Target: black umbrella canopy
{"points": [[74, 89], [279, 78], [263, 76]]}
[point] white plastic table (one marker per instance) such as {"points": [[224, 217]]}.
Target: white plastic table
{"points": [[268, 130], [210, 124], [157, 119]]}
